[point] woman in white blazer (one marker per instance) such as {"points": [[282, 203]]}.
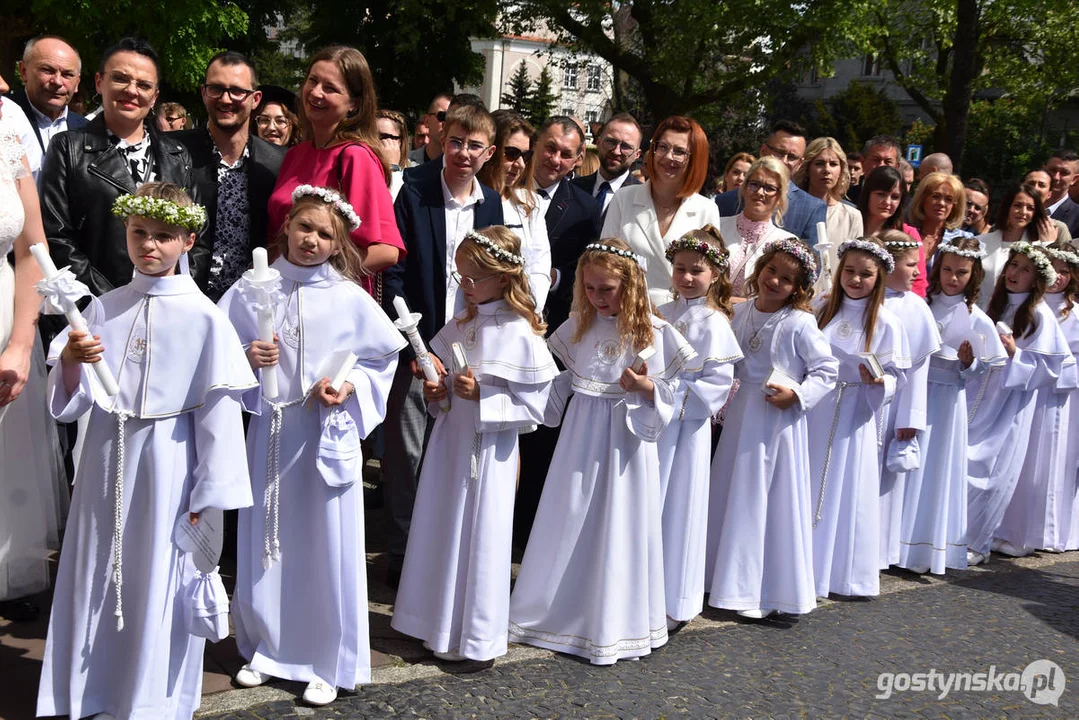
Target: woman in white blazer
{"points": [[1017, 219], [666, 207], [763, 197]]}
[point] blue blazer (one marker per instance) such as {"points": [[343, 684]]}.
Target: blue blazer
{"points": [[1068, 213], [572, 222], [421, 217], [803, 211]]}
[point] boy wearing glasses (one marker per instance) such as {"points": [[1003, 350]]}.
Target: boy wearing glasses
{"points": [[235, 170], [434, 213]]}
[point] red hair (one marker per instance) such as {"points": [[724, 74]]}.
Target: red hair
{"points": [[697, 166]]}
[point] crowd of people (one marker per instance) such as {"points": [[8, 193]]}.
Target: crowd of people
{"points": [[666, 398]]}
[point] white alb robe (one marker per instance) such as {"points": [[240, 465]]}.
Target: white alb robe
{"points": [[844, 440], [531, 230], [1002, 407], [685, 449], [455, 584], [760, 551], [591, 581], [907, 410], [181, 372], [1070, 325], [305, 616], [934, 518]]}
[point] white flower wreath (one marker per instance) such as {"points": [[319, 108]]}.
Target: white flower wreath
{"points": [[795, 249], [189, 217], [978, 254], [1042, 263], [616, 251], [330, 197], [872, 248], [493, 249]]}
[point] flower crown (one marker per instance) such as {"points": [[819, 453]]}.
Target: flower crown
{"points": [[330, 197], [872, 248], [911, 244], [978, 254], [493, 249], [189, 217], [688, 242], [1064, 256], [1041, 261], [799, 252], [616, 251]]}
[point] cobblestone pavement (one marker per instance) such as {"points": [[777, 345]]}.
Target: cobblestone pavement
{"points": [[994, 620]]}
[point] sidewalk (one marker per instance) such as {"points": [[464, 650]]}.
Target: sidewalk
{"points": [[908, 626]]}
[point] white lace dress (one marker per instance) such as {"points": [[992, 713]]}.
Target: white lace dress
{"points": [[33, 494]]}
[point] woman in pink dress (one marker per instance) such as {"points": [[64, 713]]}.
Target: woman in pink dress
{"points": [[337, 109], [882, 203]]}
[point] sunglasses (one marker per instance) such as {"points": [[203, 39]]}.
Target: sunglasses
{"points": [[514, 154], [388, 136]]}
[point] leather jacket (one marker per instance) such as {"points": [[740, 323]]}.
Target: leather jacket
{"points": [[82, 175]]}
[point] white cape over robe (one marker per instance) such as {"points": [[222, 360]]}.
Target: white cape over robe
{"points": [[181, 371], [305, 616], [455, 584], [591, 581]]}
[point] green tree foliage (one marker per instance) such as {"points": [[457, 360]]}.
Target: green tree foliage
{"points": [[690, 55], [520, 91], [857, 114], [185, 33], [947, 53], [416, 48], [542, 100]]}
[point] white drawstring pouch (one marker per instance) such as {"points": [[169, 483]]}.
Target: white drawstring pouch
{"points": [[903, 456], [340, 456], [206, 606]]}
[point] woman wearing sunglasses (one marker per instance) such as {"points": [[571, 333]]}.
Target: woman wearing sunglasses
{"points": [[393, 132], [509, 172]]}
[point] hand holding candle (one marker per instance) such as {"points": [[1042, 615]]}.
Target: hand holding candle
{"points": [[406, 322], [74, 317], [261, 273]]}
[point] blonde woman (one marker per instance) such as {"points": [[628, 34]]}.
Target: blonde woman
{"points": [[764, 201], [937, 210], [825, 175]]}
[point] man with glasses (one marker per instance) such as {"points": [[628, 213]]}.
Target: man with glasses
{"points": [[434, 213], [618, 146], [786, 143], [235, 169], [50, 70], [435, 117]]}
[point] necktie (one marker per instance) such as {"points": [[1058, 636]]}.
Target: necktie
{"points": [[543, 194], [604, 191]]}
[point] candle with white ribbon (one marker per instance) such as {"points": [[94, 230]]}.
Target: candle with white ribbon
{"points": [[824, 252], [74, 318], [263, 274], [406, 322]]}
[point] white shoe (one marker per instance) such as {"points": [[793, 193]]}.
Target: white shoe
{"points": [[449, 656], [975, 558], [319, 692], [673, 624], [756, 613], [104, 716], [920, 569], [1006, 548], [249, 677]]}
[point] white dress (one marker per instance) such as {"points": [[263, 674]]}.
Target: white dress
{"points": [[996, 257], [685, 449], [531, 229], [844, 435], [181, 372], [1039, 514], [591, 580], [455, 584], [760, 551], [907, 410], [1001, 417], [934, 518], [1070, 325], [305, 616], [33, 487]]}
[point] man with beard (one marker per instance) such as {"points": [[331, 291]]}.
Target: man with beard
{"points": [[619, 146], [234, 169]]}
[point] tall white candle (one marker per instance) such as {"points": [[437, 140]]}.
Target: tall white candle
{"points": [[406, 323], [261, 264]]}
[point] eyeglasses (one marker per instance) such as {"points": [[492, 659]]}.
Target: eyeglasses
{"points": [[388, 136], [786, 157], [266, 121], [474, 149], [122, 81], [470, 283], [976, 207], [441, 115], [678, 154], [611, 144], [756, 187], [218, 91], [172, 120], [514, 154]]}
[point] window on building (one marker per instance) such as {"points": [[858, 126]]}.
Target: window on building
{"points": [[871, 65], [569, 76], [591, 116], [594, 78], [569, 112]]}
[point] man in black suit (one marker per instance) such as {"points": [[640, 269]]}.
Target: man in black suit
{"points": [[618, 146], [1063, 166], [572, 216], [436, 207], [234, 169], [50, 70]]}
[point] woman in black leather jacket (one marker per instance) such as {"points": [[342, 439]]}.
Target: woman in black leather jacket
{"points": [[85, 170]]}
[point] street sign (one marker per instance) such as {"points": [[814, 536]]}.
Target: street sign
{"points": [[914, 155]]}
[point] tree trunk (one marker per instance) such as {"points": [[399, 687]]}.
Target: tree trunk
{"points": [[951, 135]]}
